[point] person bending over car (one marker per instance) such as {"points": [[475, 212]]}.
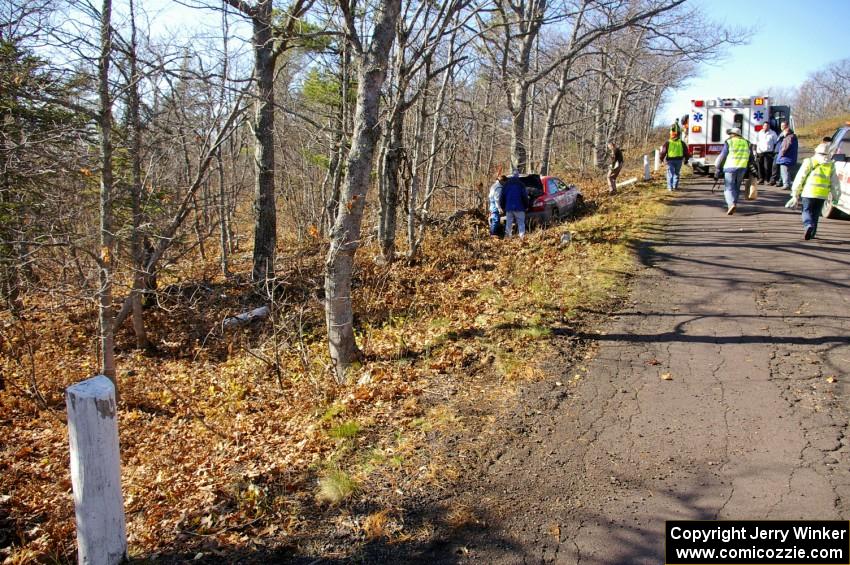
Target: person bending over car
{"points": [[514, 201]]}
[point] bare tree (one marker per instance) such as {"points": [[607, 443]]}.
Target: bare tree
{"points": [[269, 41], [107, 241], [419, 34], [371, 61]]}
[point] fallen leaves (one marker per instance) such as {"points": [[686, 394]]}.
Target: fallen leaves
{"points": [[666, 377], [215, 442]]}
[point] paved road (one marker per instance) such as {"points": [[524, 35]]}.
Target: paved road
{"points": [[749, 321]]}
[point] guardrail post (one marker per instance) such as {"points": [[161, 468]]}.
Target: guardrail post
{"points": [[96, 472]]}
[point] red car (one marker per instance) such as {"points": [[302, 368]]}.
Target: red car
{"points": [[551, 199]]}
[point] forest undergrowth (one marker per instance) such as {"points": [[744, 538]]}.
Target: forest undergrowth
{"points": [[239, 442]]}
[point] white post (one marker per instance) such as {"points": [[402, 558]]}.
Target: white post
{"points": [[657, 160], [646, 167], [96, 472]]}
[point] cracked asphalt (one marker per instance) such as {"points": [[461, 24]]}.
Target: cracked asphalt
{"points": [[719, 391]]}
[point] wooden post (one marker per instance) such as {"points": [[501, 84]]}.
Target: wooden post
{"points": [[96, 472], [657, 160], [646, 167]]}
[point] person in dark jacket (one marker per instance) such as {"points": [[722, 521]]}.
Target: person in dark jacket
{"points": [[514, 201], [674, 152], [615, 167], [786, 156]]}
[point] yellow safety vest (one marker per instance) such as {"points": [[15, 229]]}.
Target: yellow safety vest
{"points": [[739, 153], [819, 181], [675, 149]]}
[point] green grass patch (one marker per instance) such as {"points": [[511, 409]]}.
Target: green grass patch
{"points": [[535, 332], [345, 430], [333, 411]]}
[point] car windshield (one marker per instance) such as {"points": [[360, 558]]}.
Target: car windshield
{"points": [[837, 138]]}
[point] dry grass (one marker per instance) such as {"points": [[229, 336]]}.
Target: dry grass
{"points": [[811, 134], [335, 487]]}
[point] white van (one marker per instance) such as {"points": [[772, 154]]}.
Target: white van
{"points": [[839, 152]]}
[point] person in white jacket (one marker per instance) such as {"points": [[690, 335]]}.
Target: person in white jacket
{"points": [[765, 150], [815, 182]]}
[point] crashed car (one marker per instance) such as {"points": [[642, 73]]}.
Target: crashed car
{"points": [[550, 199]]}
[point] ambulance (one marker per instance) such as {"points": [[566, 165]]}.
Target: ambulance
{"points": [[710, 118]]}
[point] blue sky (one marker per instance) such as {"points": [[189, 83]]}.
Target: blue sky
{"points": [[792, 39]]}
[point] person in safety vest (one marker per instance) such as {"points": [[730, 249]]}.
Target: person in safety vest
{"points": [[733, 163], [674, 152], [816, 181]]}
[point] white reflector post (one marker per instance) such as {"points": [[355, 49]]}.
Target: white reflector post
{"points": [[646, 167], [96, 472]]}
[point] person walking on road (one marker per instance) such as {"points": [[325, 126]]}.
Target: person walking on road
{"points": [[674, 152], [514, 201], [615, 167], [495, 211], [765, 150], [815, 182], [733, 163], [786, 156]]}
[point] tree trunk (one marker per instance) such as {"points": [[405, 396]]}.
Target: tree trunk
{"points": [[265, 214], [105, 315], [136, 236], [332, 204], [345, 236], [551, 115], [519, 155], [389, 180], [430, 181], [415, 179], [222, 216]]}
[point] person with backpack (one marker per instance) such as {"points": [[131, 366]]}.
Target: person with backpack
{"points": [[815, 182]]}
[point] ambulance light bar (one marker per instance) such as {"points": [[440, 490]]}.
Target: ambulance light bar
{"points": [[698, 103], [759, 102]]}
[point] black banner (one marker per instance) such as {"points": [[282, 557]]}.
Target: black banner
{"points": [[757, 542]]}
